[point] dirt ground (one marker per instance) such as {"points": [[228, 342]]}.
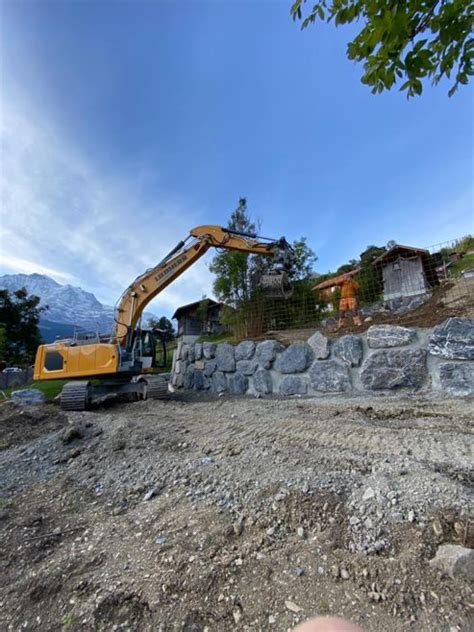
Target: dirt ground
{"points": [[224, 514]]}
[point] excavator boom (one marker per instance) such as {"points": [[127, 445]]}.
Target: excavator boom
{"points": [[148, 285]]}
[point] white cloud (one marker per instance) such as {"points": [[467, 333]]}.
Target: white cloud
{"points": [[60, 218]]}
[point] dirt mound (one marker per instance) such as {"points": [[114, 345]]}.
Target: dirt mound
{"points": [[20, 424]]}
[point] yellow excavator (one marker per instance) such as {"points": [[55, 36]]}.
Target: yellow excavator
{"points": [[125, 361]]}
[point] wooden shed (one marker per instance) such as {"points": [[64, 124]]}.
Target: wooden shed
{"points": [[406, 271]]}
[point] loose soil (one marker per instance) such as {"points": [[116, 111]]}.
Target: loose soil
{"points": [[205, 513]]}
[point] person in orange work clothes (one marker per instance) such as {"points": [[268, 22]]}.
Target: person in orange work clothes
{"points": [[348, 303]]}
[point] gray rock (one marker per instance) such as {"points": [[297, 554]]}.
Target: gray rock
{"points": [[348, 349], [453, 339], [198, 351], [262, 381], [329, 377], [219, 382], [187, 352], [180, 366], [247, 367], [394, 369], [383, 336], [178, 380], [457, 378], [28, 397], [201, 382], [245, 350], [209, 350], [209, 367], [320, 345], [266, 352], [225, 357], [455, 561], [188, 380], [295, 359], [293, 385], [73, 432], [238, 384]]}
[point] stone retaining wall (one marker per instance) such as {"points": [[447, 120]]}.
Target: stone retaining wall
{"points": [[384, 359]]}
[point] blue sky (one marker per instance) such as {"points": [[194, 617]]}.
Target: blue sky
{"points": [[125, 124]]}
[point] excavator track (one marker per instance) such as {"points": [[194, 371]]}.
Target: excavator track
{"points": [[75, 395], [156, 388]]}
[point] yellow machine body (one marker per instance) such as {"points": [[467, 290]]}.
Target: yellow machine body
{"points": [[60, 360]]}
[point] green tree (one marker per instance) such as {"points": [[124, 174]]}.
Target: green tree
{"points": [[235, 271], [164, 324], [19, 319], [370, 276], [411, 42], [304, 260]]}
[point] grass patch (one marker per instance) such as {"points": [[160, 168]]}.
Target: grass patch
{"points": [[462, 264], [224, 336], [50, 388]]}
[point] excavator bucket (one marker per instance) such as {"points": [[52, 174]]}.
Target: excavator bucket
{"points": [[276, 285]]}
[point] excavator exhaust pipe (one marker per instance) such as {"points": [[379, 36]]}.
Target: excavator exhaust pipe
{"points": [[276, 285]]}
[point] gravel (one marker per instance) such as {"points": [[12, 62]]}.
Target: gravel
{"points": [[256, 509]]}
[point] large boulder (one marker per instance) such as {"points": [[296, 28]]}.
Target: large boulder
{"points": [[178, 380], [201, 382], [179, 366], [262, 381], [225, 357], [348, 349], [209, 350], [320, 345], [219, 382], [293, 385], [247, 367], [28, 397], [457, 378], [394, 369], [455, 560], [453, 339], [383, 336], [238, 383], [266, 352], [295, 359], [209, 367], [244, 350], [188, 380], [190, 353], [329, 376]]}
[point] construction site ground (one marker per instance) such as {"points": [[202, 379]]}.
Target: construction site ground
{"points": [[203, 513]]}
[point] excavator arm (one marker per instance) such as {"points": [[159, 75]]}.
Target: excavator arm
{"points": [[147, 286]]}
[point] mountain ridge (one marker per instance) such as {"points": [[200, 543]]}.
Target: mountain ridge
{"points": [[69, 307]]}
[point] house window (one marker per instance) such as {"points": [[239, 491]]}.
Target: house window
{"points": [[396, 266]]}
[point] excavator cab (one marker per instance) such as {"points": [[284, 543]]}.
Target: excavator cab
{"points": [[149, 348]]}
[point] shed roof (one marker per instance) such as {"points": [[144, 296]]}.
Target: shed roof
{"points": [[399, 249], [184, 308]]}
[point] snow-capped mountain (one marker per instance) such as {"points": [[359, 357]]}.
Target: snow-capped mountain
{"points": [[68, 306]]}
